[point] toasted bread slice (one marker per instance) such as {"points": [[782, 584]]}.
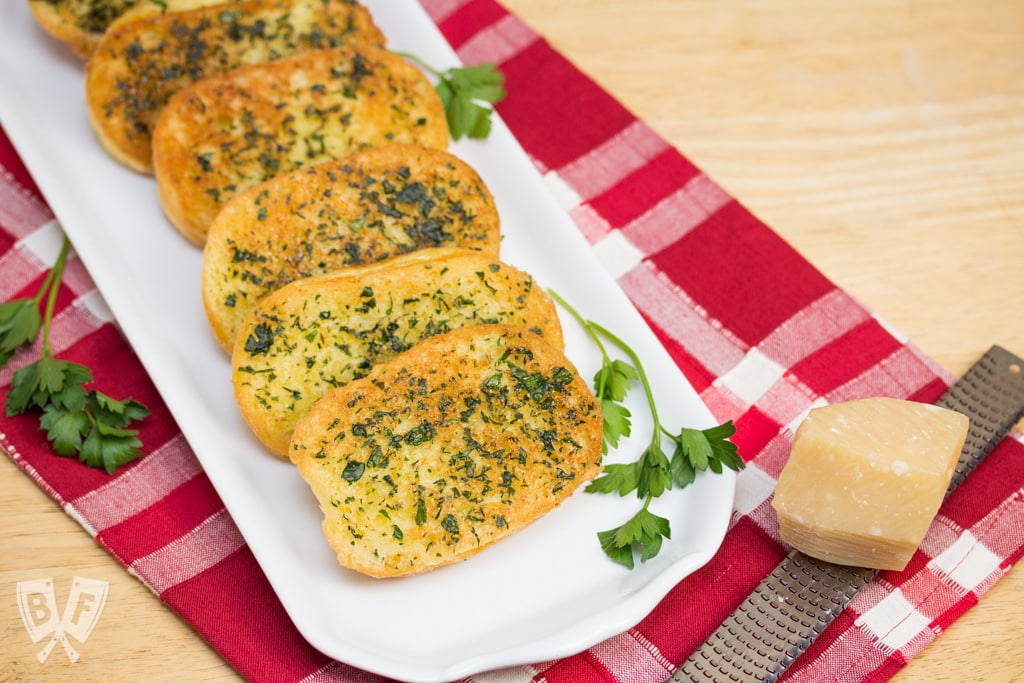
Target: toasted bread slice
{"points": [[227, 133], [139, 64], [82, 23], [323, 331], [451, 446], [141, 9], [373, 205], [78, 23]]}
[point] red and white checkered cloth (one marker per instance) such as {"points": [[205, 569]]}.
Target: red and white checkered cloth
{"points": [[757, 329]]}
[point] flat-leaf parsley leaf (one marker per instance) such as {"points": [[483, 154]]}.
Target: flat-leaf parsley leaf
{"points": [[78, 421], [468, 94], [654, 472]]}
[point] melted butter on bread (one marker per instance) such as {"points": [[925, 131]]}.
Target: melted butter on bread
{"points": [[375, 204], [321, 332], [225, 134], [139, 64], [446, 449]]}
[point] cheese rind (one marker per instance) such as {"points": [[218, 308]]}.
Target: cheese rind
{"points": [[865, 479]]}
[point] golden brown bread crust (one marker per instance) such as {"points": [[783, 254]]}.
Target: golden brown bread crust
{"points": [[447, 448], [227, 133], [138, 65], [78, 23], [375, 204], [323, 331], [82, 23], [140, 9]]}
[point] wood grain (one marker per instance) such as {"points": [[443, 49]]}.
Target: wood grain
{"points": [[883, 140]]}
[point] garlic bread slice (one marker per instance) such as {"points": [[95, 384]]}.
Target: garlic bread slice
{"points": [[447, 448], [372, 205], [321, 332], [138, 65], [141, 9], [78, 23], [225, 134]]}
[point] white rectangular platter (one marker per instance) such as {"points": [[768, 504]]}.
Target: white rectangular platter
{"points": [[546, 592]]}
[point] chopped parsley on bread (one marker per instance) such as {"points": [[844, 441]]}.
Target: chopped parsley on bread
{"points": [[78, 23], [227, 133], [324, 331], [442, 451], [139, 64], [372, 205]]}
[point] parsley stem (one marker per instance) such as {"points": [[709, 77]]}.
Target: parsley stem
{"points": [[589, 329], [419, 62], [595, 330], [55, 275], [43, 288], [653, 472], [640, 370]]}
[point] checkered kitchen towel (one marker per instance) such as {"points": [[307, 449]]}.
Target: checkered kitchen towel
{"points": [[758, 331]]}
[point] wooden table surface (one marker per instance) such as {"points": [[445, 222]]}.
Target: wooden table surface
{"points": [[884, 140]]}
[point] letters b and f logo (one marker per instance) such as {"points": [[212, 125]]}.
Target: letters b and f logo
{"points": [[38, 604]]}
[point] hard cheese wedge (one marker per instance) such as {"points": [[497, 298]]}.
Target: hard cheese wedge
{"points": [[865, 479]]}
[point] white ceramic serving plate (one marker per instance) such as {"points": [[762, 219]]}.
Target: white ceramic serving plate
{"points": [[546, 592]]}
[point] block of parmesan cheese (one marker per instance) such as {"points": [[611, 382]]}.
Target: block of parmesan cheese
{"points": [[865, 478]]}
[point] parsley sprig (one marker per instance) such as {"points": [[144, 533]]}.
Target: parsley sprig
{"points": [[78, 422], [653, 472], [468, 94]]}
